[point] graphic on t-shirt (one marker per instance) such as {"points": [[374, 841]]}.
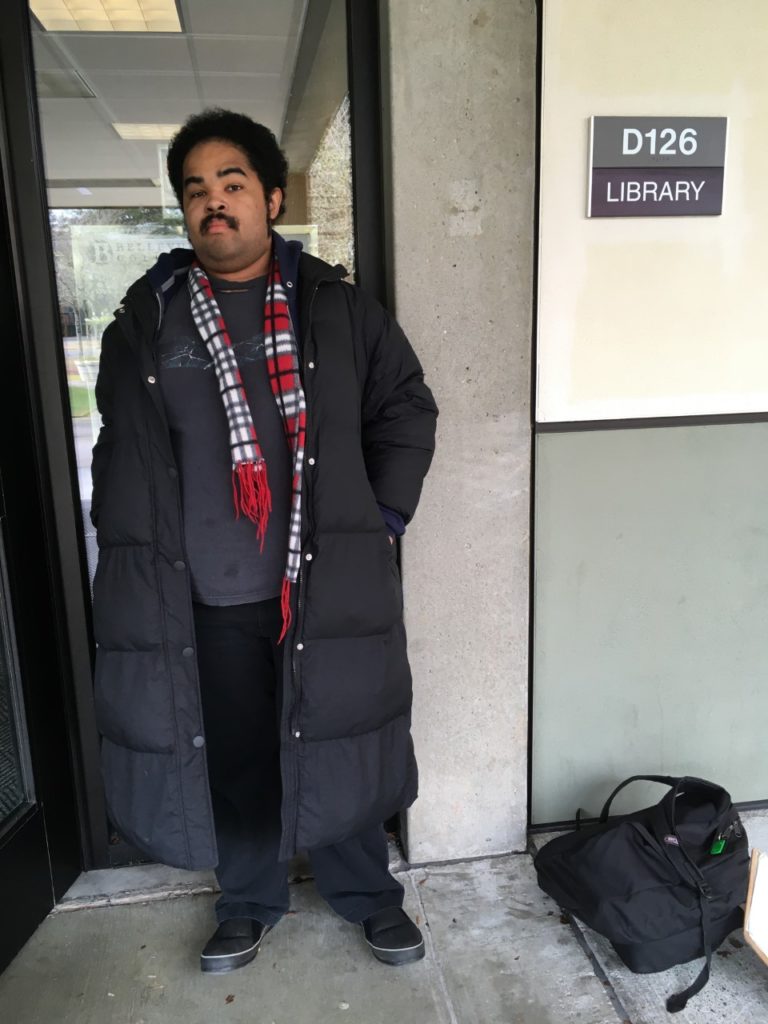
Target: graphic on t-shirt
{"points": [[186, 352], [227, 565]]}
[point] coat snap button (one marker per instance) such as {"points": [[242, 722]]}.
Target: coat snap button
{"points": [[311, 366], [299, 647], [150, 379], [289, 284], [297, 734], [308, 557], [311, 462], [198, 741], [179, 565], [188, 652]]}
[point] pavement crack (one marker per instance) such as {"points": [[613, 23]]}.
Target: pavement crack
{"points": [[436, 974]]}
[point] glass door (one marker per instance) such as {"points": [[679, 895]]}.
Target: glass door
{"points": [[25, 874], [39, 842], [40, 825], [87, 103], [26, 882], [16, 785], [24, 865], [111, 91]]}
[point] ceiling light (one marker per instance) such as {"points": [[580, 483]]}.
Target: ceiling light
{"points": [[107, 15], [151, 132]]}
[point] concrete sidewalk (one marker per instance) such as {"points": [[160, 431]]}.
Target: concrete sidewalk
{"points": [[498, 952]]}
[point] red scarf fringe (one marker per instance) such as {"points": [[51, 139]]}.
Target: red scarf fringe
{"points": [[285, 607], [253, 498], [252, 495]]}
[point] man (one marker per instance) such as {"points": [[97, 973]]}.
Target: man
{"points": [[266, 431]]}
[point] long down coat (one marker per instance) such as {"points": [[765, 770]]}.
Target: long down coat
{"points": [[346, 753]]}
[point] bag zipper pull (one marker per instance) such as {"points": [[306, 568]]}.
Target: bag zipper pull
{"points": [[720, 841]]}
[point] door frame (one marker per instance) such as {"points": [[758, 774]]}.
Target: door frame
{"points": [[46, 394], [48, 404], [40, 846]]}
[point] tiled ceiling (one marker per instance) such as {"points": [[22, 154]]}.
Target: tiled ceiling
{"points": [[235, 53]]}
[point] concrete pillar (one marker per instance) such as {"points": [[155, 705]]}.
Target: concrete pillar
{"points": [[295, 199], [462, 85]]}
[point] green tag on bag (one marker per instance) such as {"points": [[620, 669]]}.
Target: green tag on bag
{"points": [[718, 846]]}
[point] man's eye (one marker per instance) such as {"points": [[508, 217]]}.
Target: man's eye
{"points": [[194, 195], [234, 186]]}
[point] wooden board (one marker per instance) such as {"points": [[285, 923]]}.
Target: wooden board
{"points": [[756, 912]]}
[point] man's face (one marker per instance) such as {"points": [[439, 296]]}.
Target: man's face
{"points": [[226, 212]]}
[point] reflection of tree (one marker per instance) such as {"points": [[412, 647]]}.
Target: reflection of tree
{"points": [[86, 299]]}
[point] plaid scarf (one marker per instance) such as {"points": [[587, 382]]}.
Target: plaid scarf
{"points": [[250, 484]]}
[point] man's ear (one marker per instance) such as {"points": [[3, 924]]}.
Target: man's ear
{"points": [[274, 203]]}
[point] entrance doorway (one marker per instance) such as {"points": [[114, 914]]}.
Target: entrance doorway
{"points": [[86, 208]]}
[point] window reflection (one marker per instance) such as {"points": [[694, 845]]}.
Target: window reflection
{"points": [[108, 102]]}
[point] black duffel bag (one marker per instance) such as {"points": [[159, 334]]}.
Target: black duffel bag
{"points": [[665, 884]]}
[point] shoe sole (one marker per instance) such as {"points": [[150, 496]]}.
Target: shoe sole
{"points": [[226, 962], [398, 957]]}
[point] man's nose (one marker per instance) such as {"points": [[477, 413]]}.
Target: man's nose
{"points": [[215, 201]]}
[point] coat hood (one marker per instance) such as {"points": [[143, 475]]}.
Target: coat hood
{"points": [[148, 297]]}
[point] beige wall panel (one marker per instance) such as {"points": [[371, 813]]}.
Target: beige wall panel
{"points": [[653, 316]]}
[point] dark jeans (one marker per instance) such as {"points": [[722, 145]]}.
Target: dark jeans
{"points": [[240, 667]]}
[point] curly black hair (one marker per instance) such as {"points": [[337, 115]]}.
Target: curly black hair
{"points": [[256, 141]]}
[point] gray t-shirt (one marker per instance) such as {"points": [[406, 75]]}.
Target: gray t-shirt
{"points": [[223, 552]]}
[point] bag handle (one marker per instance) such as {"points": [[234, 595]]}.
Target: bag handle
{"points": [[664, 780]]}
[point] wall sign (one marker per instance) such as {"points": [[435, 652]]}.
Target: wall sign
{"points": [[656, 166]]}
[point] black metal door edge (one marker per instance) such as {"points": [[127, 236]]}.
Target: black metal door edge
{"points": [[45, 386], [25, 902], [26, 891]]}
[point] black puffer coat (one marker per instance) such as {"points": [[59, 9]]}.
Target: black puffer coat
{"points": [[347, 756]]}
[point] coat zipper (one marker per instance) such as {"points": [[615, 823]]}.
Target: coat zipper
{"points": [[295, 675], [293, 718]]}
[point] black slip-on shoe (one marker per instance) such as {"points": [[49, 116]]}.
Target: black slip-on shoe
{"points": [[393, 937], [234, 944]]}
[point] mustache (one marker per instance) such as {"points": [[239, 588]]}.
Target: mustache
{"points": [[206, 222]]}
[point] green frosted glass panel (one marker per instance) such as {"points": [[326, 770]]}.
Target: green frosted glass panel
{"points": [[650, 612]]}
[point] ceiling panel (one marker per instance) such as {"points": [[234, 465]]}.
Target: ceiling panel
{"points": [[96, 51], [70, 198], [76, 145], [237, 54], [266, 87], [261, 89], [46, 53], [162, 111], [146, 87], [268, 114], [233, 17], [248, 56], [74, 112]]}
